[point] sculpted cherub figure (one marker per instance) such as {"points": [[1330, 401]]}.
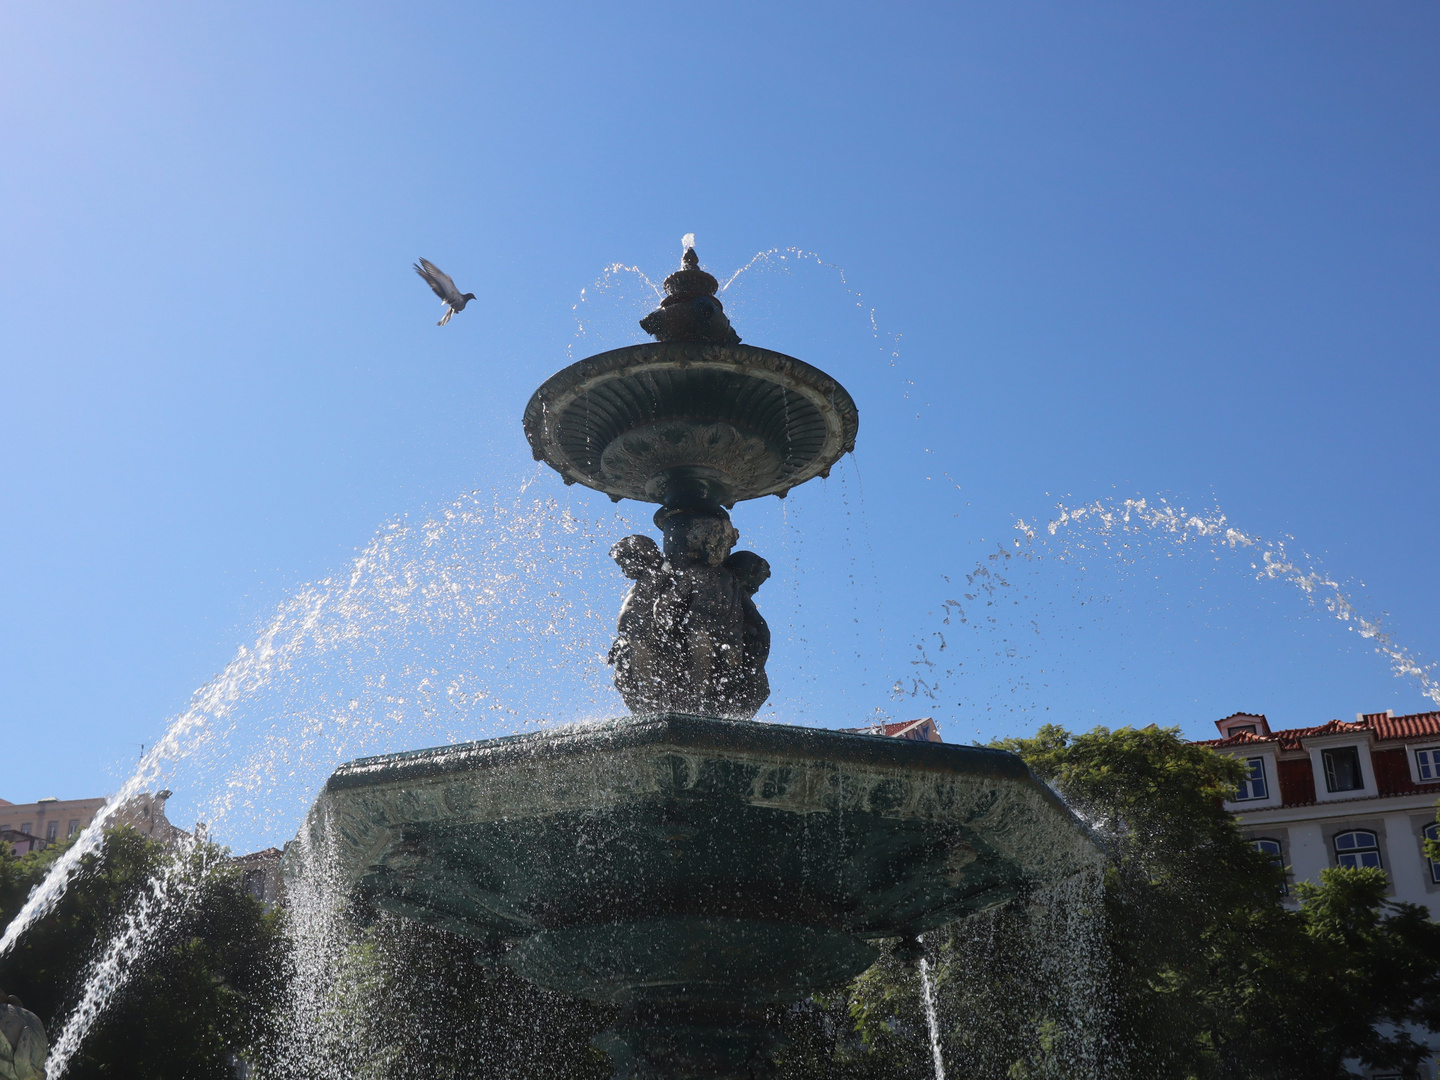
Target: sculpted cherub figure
{"points": [[690, 638], [639, 654], [752, 687], [702, 609]]}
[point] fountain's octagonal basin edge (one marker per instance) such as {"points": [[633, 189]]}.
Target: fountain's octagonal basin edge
{"points": [[674, 857]]}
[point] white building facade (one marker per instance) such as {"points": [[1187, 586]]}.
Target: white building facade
{"points": [[1343, 794]]}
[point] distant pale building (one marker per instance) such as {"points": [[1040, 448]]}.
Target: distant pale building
{"points": [[21, 843], [35, 826]]}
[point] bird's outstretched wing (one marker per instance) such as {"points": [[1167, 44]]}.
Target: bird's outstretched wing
{"points": [[438, 280]]}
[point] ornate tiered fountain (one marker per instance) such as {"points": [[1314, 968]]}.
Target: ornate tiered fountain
{"points": [[685, 862]]}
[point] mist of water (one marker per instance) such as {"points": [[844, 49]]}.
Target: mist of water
{"points": [[471, 621], [210, 708], [1024, 990], [1065, 621], [321, 1032], [1112, 527]]}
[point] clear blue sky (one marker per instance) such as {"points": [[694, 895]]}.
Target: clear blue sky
{"points": [[1128, 250]]}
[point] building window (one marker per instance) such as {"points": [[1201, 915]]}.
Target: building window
{"points": [[74, 827], [1342, 769], [1272, 849], [1427, 763], [1432, 832], [1357, 849], [52, 830], [1236, 729], [1253, 786], [27, 827]]}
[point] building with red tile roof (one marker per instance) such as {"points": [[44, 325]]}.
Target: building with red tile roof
{"points": [[1354, 793], [923, 730]]}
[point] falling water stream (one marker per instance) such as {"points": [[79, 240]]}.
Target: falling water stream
{"points": [[933, 1024], [1111, 527], [438, 630]]}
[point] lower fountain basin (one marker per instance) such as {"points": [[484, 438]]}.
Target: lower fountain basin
{"points": [[680, 858], [692, 870], [734, 961]]}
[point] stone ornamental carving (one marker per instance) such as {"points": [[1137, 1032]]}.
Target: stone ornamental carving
{"points": [[690, 638], [737, 461]]}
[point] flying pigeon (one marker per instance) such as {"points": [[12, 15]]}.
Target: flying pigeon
{"points": [[444, 288]]}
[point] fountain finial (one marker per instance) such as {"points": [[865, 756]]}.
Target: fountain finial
{"points": [[690, 311]]}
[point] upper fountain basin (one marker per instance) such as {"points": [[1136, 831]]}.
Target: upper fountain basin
{"points": [[679, 422]]}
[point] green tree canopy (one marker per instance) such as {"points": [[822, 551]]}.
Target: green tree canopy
{"points": [[201, 990], [1210, 974]]}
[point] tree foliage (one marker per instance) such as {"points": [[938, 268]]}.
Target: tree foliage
{"points": [[201, 990], [1211, 976]]}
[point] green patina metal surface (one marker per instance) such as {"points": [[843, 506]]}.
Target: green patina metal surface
{"points": [[675, 857]]}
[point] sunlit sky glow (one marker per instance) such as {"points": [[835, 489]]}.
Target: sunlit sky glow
{"points": [[1060, 256]]}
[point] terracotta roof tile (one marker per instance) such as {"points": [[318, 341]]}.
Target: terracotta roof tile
{"points": [[896, 729], [1290, 738], [1414, 726], [1384, 726], [1240, 738], [1392, 773], [1334, 727]]}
